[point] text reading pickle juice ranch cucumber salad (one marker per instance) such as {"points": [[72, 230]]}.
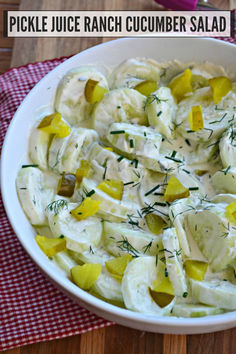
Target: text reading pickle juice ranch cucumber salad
{"points": [[131, 185]]}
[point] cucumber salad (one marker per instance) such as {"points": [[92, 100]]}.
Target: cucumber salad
{"points": [[131, 185]]}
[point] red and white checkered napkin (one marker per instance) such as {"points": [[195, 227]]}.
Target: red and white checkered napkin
{"points": [[31, 309]]}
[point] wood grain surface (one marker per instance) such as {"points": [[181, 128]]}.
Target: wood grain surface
{"points": [[116, 339]]}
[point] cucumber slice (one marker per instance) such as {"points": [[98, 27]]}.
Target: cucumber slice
{"points": [[224, 181], [32, 194], [215, 292], [38, 147], [113, 166], [93, 255], [214, 235], [177, 213], [109, 206], [65, 262], [216, 118], [138, 278], [121, 239], [143, 144], [224, 198], [108, 287], [195, 310], [174, 261], [65, 154], [120, 105], [228, 147], [133, 71], [70, 100], [161, 108], [80, 235]]}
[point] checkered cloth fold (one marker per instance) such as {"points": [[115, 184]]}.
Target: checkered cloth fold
{"points": [[31, 308]]}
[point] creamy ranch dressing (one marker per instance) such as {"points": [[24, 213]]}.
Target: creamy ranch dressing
{"points": [[166, 150]]}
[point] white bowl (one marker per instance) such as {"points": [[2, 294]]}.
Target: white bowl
{"points": [[15, 149]]}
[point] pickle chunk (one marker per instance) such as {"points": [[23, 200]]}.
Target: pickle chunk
{"points": [[175, 190], [93, 91], [87, 208], [195, 269], [220, 87], [53, 124], [86, 275], [66, 185], [51, 246]]}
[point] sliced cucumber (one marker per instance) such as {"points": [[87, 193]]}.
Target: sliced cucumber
{"points": [[38, 147], [65, 154], [65, 261], [133, 71], [214, 235], [120, 238], [216, 118], [224, 181], [161, 108], [228, 147], [80, 235], [174, 261], [109, 206], [215, 292], [108, 287], [32, 194], [70, 100], [195, 310], [120, 105], [138, 278]]}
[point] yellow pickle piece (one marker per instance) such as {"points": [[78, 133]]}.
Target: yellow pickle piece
{"points": [[181, 85], [53, 124], [93, 92], [66, 184], [146, 87], [118, 265], [87, 208], [108, 149], [86, 275], [195, 118], [200, 172], [230, 212], [82, 171], [113, 188], [220, 87], [162, 290], [51, 246], [175, 190], [195, 269], [155, 223]]}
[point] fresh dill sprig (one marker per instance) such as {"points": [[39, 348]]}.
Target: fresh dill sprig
{"points": [[57, 205], [26, 166], [147, 247], [152, 98], [125, 245]]}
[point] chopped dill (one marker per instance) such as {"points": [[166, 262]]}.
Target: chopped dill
{"points": [[131, 143], [187, 142], [152, 190], [57, 205], [120, 158], [127, 183], [159, 113], [26, 166], [147, 247], [125, 245], [117, 132], [152, 98]]}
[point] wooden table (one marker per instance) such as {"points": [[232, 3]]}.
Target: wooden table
{"points": [[116, 339]]}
